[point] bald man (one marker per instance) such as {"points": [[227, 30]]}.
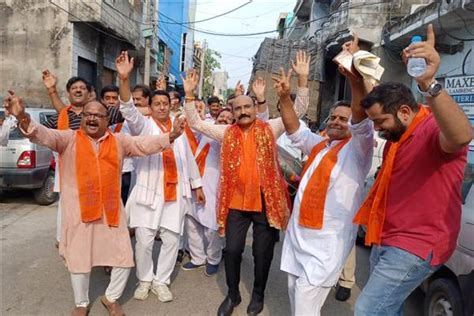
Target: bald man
{"points": [[252, 190]]}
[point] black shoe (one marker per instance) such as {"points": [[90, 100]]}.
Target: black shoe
{"points": [[342, 293], [255, 307], [180, 257], [227, 306]]}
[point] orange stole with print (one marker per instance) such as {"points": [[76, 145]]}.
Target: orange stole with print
{"points": [[314, 196], [98, 179], [372, 211], [267, 173], [169, 164], [63, 118]]}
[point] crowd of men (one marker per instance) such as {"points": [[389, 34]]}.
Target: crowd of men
{"points": [[137, 163]]}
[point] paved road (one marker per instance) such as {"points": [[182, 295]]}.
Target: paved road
{"points": [[35, 282]]}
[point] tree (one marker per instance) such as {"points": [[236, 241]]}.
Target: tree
{"points": [[229, 91], [211, 63]]}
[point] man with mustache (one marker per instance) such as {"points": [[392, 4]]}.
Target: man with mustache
{"points": [[162, 192], [413, 211], [69, 117], [94, 229], [252, 189], [204, 243], [320, 232]]}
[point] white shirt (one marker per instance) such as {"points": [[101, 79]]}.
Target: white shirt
{"points": [[206, 214], [320, 254], [169, 215]]}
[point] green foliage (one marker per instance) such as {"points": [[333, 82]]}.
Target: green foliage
{"points": [[211, 63]]}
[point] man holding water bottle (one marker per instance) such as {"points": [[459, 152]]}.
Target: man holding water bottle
{"points": [[412, 212]]}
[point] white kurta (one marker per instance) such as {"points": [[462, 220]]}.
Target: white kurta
{"points": [[319, 255], [169, 215], [206, 214]]}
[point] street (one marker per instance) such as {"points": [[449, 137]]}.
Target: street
{"points": [[35, 282]]}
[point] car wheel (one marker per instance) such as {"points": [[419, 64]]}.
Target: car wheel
{"points": [[46, 195], [443, 299]]}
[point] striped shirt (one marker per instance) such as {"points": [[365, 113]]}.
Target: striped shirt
{"points": [[75, 119]]}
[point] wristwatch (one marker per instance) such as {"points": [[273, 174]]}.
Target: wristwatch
{"points": [[434, 89]]}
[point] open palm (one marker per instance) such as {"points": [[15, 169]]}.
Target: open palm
{"points": [[301, 66], [124, 65]]}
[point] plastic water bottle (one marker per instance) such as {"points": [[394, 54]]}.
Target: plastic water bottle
{"points": [[416, 67]]}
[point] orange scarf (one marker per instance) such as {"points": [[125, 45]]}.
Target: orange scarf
{"points": [[118, 127], [372, 211], [98, 179], [194, 144], [201, 158], [314, 196], [268, 174], [63, 118], [169, 164]]}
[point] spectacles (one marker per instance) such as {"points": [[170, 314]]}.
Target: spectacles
{"points": [[93, 115]]}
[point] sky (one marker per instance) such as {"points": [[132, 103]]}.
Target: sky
{"points": [[236, 52]]}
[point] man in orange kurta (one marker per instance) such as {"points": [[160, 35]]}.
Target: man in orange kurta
{"points": [[252, 189], [94, 228]]}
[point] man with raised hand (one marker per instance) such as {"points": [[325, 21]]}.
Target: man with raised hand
{"points": [[162, 193], [252, 189], [413, 211], [94, 228], [320, 232]]}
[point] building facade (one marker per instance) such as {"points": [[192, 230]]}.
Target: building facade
{"points": [[219, 82], [176, 33], [70, 38]]}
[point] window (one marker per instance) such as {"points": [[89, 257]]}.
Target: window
{"points": [[182, 66]]}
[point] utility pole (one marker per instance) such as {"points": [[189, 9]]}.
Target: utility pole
{"points": [[203, 61], [148, 39]]}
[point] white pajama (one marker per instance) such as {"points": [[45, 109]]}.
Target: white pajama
{"points": [[80, 286], [204, 244], [317, 256], [305, 299], [144, 254]]}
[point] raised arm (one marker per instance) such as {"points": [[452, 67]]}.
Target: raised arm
{"points": [[195, 122], [301, 68], [135, 120], [38, 134], [258, 87], [50, 81], [288, 114], [455, 129], [359, 87]]}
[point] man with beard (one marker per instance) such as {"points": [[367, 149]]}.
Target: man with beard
{"points": [[413, 210], [204, 242], [320, 232], [252, 189], [94, 230], [162, 192]]}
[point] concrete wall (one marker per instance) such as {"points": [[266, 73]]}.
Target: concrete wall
{"points": [[34, 36], [37, 35]]}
